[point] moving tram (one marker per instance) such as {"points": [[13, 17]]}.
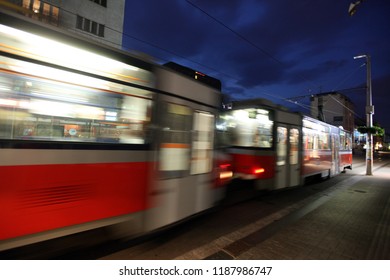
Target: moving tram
{"points": [[92, 137], [278, 148]]}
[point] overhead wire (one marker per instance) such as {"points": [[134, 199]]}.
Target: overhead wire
{"points": [[236, 33], [262, 50], [307, 107], [349, 76]]}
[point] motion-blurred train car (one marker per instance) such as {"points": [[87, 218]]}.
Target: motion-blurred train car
{"points": [[92, 137], [278, 148]]}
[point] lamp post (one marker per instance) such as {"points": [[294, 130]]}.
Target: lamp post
{"points": [[369, 113]]}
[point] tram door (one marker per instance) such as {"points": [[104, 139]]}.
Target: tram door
{"points": [[287, 156], [335, 169], [294, 157], [185, 163]]}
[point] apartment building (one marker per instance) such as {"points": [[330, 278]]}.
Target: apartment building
{"points": [[334, 108], [100, 20]]}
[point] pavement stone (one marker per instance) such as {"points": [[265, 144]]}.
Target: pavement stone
{"points": [[353, 224]]}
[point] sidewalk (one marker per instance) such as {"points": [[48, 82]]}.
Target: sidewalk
{"points": [[353, 224], [348, 221]]}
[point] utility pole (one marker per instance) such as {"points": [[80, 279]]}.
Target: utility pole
{"points": [[369, 113]]}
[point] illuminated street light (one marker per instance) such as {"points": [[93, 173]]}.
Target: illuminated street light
{"points": [[369, 113]]}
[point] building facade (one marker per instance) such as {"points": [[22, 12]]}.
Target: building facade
{"points": [[333, 108], [100, 20]]}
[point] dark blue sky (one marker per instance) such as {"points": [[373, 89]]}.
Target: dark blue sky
{"points": [[273, 49]]}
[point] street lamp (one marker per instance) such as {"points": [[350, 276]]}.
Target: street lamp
{"points": [[353, 7], [369, 113]]}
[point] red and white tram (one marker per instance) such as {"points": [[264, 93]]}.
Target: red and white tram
{"points": [[92, 137], [279, 148]]}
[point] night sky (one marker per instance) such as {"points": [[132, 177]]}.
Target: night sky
{"points": [[273, 49]]}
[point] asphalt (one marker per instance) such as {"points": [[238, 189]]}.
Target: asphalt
{"points": [[351, 222]]}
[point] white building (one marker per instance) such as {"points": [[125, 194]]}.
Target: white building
{"points": [[100, 20]]}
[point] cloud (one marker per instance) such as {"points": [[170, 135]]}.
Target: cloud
{"points": [[276, 47], [164, 26]]}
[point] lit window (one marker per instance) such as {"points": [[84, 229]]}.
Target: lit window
{"points": [[42, 11]]}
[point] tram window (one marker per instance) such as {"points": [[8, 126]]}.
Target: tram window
{"points": [[323, 141], [281, 145], [50, 130], [308, 139], [177, 124], [248, 128], [294, 145], [345, 141], [39, 108], [202, 143], [175, 140], [315, 140], [342, 141], [348, 142]]}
